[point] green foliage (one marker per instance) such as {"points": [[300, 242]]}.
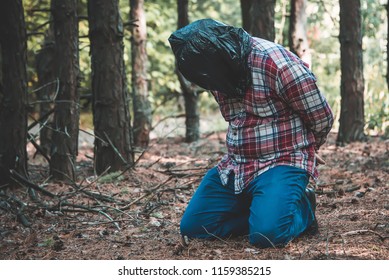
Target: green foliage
{"points": [[323, 31], [111, 177], [161, 15], [374, 44], [37, 20], [161, 22]]}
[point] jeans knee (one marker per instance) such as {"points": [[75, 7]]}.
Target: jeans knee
{"points": [[186, 227], [192, 228], [269, 237]]}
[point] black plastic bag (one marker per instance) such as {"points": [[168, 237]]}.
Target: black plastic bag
{"points": [[214, 56]]}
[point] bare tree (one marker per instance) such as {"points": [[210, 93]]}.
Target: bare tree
{"points": [[13, 95], [191, 97], [142, 107], [352, 82], [66, 116], [298, 41], [111, 117], [262, 15]]}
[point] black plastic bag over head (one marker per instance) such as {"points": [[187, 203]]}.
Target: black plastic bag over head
{"points": [[214, 56]]}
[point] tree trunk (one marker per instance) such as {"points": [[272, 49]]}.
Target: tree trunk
{"points": [[298, 41], [111, 117], [245, 6], [142, 107], [262, 14], [47, 85], [191, 97], [387, 45], [13, 100], [352, 81], [66, 116]]}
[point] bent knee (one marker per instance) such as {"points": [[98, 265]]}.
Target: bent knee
{"points": [[193, 228], [269, 237], [187, 227]]}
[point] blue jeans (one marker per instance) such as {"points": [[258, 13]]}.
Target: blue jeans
{"points": [[273, 209]]}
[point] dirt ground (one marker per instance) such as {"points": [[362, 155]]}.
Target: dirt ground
{"points": [[136, 215]]}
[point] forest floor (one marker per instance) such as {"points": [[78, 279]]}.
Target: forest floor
{"points": [[136, 215]]}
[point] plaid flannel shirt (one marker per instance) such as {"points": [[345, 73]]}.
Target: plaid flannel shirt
{"points": [[282, 119]]}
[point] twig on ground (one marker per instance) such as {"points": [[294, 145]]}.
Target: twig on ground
{"points": [[213, 235], [79, 189], [109, 218], [104, 223], [361, 231], [340, 190], [118, 210], [25, 183], [352, 188], [23, 219], [183, 175], [149, 192], [10, 208], [60, 205]]}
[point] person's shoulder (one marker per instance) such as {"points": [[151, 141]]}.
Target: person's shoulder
{"points": [[264, 45], [271, 51]]}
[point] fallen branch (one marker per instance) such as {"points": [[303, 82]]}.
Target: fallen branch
{"points": [[111, 220], [352, 188], [183, 175], [19, 179], [340, 190], [5, 205], [104, 223], [361, 231], [23, 219], [80, 206], [85, 209]]}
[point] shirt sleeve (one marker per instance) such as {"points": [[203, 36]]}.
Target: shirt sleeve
{"points": [[297, 86]]}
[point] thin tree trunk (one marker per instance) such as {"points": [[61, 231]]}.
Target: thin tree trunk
{"points": [[352, 81], [284, 15], [66, 116], [245, 6], [298, 41], [191, 97], [262, 14], [387, 45], [47, 85], [142, 107], [13, 100], [110, 101]]}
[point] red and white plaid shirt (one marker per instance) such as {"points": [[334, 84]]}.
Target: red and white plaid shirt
{"points": [[282, 119]]}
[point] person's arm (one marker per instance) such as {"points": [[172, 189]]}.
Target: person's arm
{"points": [[297, 86]]}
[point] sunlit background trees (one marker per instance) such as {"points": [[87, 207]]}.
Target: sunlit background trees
{"points": [[147, 87]]}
